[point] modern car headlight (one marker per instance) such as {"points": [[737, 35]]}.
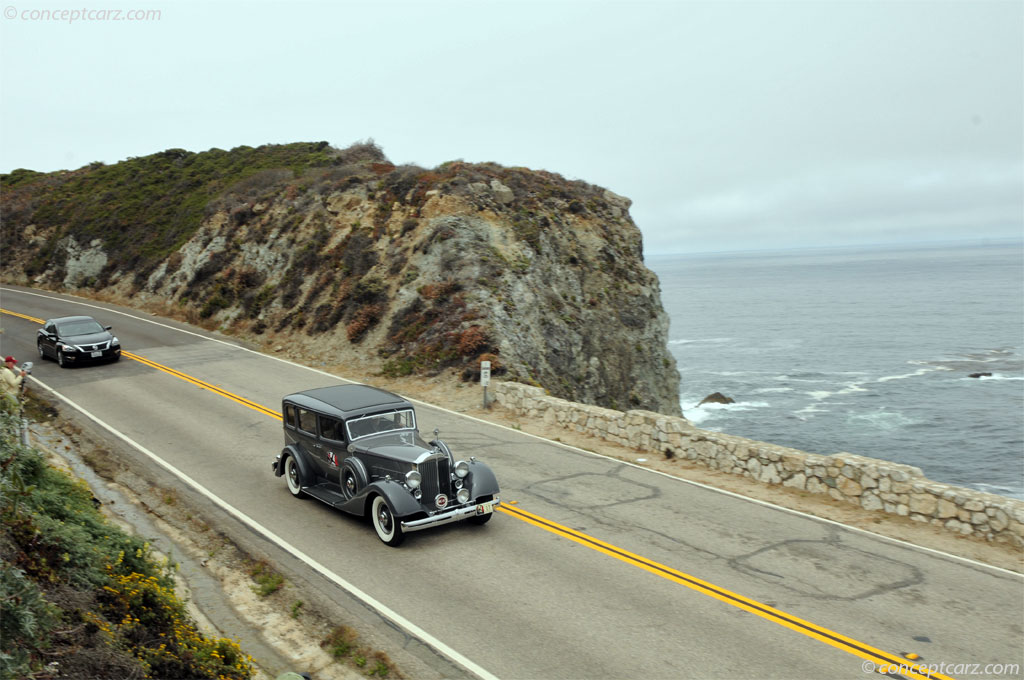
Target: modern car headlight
{"points": [[114, 341], [413, 479], [461, 469], [462, 496]]}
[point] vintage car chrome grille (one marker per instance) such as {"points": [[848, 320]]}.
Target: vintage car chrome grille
{"points": [[436, 475]]}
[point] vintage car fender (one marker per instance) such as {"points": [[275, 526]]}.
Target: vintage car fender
{"points": [[398, 497], [358, 470], [305, 468], [482, 479]]}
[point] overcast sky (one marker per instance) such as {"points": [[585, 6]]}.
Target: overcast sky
{"points": [[731, 125]]}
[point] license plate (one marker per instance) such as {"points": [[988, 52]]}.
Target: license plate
{"points": [[485, 508], [96, 354]]}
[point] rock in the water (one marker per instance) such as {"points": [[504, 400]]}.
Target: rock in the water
{"points": [[980, 375], [717, 398]]}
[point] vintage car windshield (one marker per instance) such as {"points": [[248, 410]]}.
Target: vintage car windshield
{"points": [[376, 423]]}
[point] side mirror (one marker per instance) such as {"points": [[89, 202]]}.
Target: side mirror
{"points": [[107, 328]]}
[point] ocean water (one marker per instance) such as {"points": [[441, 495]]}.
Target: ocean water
{"points": [[864, 350]]}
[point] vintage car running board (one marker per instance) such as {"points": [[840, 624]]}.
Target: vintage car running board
{"points": [[324, 493]]}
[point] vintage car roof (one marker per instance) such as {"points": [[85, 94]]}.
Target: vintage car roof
{"points": [[347, 400]]}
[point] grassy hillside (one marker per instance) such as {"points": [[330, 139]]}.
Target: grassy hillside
{"points": [[143, 209]]}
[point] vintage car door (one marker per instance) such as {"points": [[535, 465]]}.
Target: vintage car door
{"points": [[332, 446], [308, 439]]}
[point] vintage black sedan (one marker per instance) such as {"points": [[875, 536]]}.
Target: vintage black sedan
{"points": [[357, 448], [77, 340]]}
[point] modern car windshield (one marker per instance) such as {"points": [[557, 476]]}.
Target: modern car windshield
{"points": [[83, 327], [376, 423]]}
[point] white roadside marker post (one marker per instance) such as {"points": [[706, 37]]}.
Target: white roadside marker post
{"points": [[485, 378]]}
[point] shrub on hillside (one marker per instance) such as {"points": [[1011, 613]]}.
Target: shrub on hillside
{"points": [[79, 592]]}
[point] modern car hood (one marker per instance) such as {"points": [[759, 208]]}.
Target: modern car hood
{"points": [[406, 446]]}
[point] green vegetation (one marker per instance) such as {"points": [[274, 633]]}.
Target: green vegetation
{"points": [[81, 598], [267, 580], [341, 643], [143, 209]]}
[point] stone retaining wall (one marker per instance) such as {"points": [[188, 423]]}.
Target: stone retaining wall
{"points": [[868, 482]]}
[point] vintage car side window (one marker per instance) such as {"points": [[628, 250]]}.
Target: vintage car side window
{"points": [[307, 421], [289, 415], [331, 428]]}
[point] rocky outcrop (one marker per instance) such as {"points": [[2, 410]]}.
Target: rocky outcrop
{"points": [[716, 398], [418, 270]]}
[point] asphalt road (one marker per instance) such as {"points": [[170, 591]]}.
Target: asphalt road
{"points": [[594, 568]]}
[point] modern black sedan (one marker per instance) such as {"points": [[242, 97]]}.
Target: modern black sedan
{"points": [[77, 340], [356, 448]]}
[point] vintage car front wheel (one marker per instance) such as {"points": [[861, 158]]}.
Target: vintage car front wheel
{"points": [[385, 524], [291, 475]]}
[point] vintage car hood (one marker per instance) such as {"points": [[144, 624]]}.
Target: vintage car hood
{"points": [[405, 446]]}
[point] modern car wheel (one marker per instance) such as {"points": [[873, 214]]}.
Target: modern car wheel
{"points": [[42, 352], [61, 361], [387, 527], [291, 475]]}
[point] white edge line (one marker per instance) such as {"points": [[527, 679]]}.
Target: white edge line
{"points": [[701, 485], [376, 605]]}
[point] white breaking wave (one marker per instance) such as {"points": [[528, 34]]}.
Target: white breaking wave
{"points": [[709, 341], [1000, 490], [918, 372], [881, 420], [704, 412]]}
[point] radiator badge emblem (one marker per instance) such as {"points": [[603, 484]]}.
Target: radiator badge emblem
{"points": [[441, 501]]}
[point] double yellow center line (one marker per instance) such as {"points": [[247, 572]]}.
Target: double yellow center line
{"points": [[176, 373], [203, 384], [883, 660], [878, 657]]}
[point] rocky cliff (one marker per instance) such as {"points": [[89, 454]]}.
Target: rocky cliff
{"points": [[342, 252]]}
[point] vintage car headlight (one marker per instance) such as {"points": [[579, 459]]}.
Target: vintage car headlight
{"points": [[413, 479], [462, 496], [461, 469]]}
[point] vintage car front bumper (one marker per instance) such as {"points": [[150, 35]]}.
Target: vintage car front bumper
{"points": [[458, 514]]}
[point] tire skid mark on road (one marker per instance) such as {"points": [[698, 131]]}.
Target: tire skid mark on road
{"points": [[864, 651], [841, 642]]}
